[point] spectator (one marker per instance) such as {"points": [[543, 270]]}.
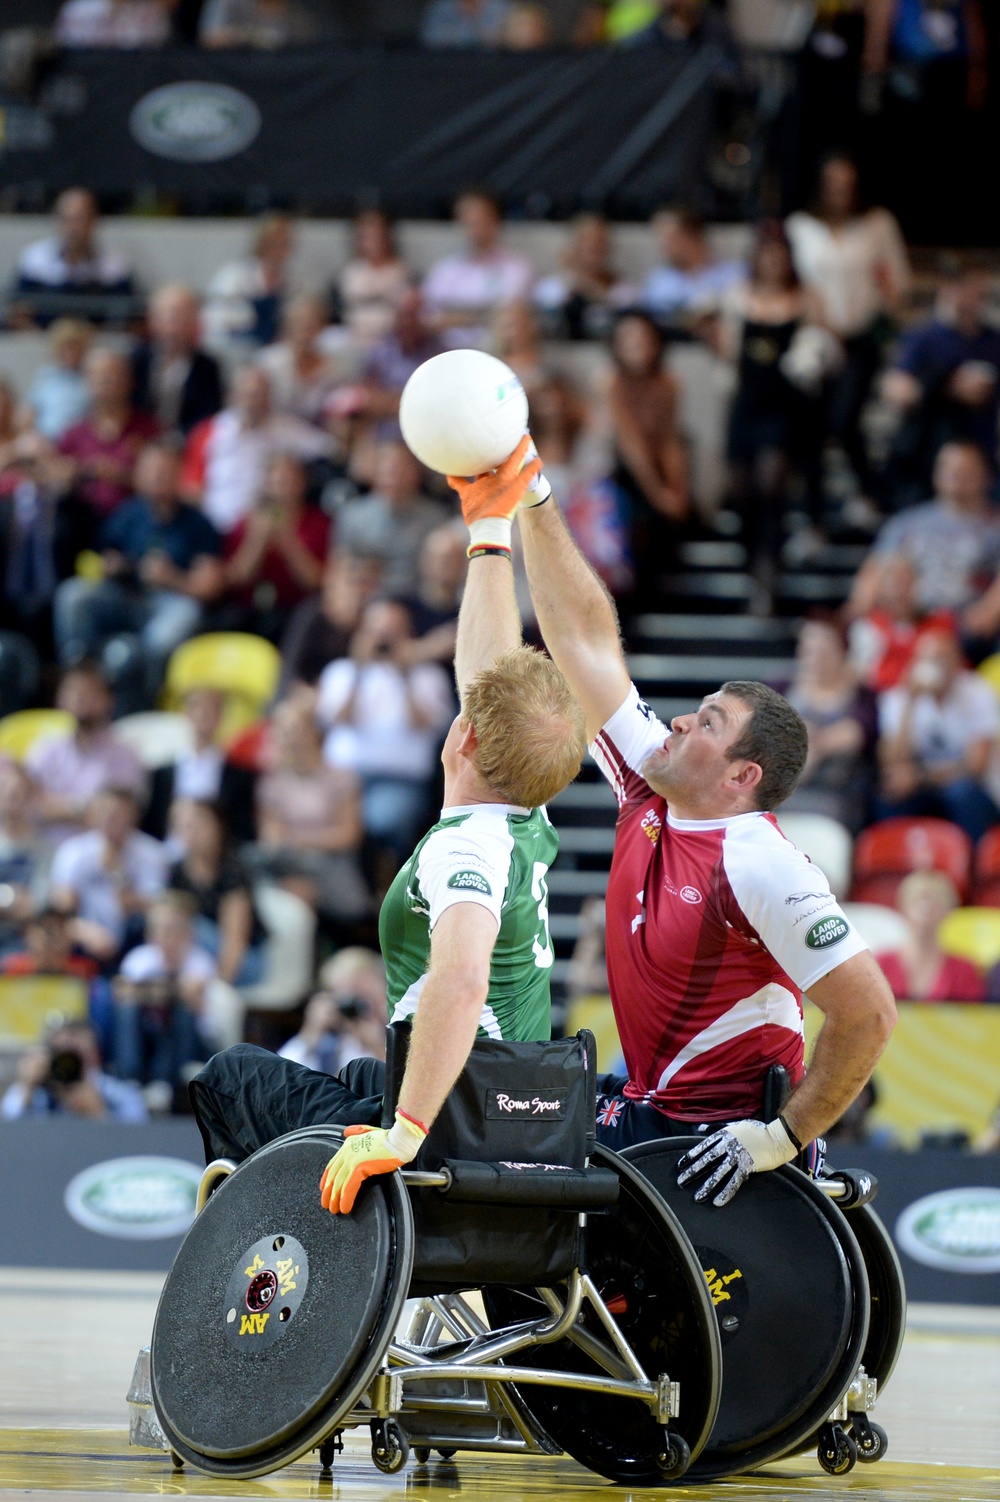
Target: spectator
{"points": [[588, 968], [527, 29], [938, 730], [953, 541], [108, 876], [391, 523], [919, 970], [244, 298], [841, 720], [65, 1076], [441, 569], [71, 769], [882, 641], [98, 455], [856, 1129], [72, 259], [161, 567], [347, 1019], [462, 292], [214, 876], [257, 23], [226, 460], [276, 554], [945, 380], [775, 426], [203, 774], [321, 627], [580, 302], [688, 289], [465, 23], [24, 861], [113, 23], [515, 341], [385, 721], [302, 369], [391, 362], [175, 380], [58, 397], [650, 461], [854, 262], [309, 820], [160, 999], [689, 24], [373, 281], [48, 949]]}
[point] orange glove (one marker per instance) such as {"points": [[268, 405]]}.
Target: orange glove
{"points": [[367, 1151], [490, 501]]}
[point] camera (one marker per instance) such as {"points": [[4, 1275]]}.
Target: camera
{"points": [[65, 1068], [353, 1008]]}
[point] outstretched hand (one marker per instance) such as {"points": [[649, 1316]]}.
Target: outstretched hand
{"points": [[367, 1151], [499, 492], [727, 1158]]}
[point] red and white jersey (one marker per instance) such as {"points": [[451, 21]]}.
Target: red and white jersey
{"points": [[715, 927]]}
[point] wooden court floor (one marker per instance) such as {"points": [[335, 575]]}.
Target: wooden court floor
{"points": [[68, 1342]]}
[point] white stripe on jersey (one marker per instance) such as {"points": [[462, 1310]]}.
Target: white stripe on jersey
{"points": [[772, 1005], [407, 1007]]}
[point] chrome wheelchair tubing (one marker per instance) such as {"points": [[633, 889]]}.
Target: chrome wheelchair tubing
{"points": [[212, 1177]]}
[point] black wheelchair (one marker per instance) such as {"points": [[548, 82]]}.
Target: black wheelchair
{"points": [[562, 1297]]}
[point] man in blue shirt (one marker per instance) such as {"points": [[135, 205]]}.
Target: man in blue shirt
{"points": [[945, 382], [161, 564]]}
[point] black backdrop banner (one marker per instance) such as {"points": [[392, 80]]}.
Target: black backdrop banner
{"points": [[329, 128]]}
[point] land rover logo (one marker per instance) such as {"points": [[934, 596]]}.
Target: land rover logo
{"points": [[826, 932], [138, 1199], [195, 122], [956, 1230]]}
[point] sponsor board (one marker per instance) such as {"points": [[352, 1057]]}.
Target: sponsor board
{"points": [[137, 1199], [955, 1230], [195, 122]]}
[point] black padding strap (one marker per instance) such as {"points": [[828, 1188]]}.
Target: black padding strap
{"points": [[530, 1184]]}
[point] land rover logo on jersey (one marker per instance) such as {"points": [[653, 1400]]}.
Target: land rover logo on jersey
{"points": [[470, 881], [138, 1199], [956, 1230], [195, 122], [690, 894], [827, 931]]}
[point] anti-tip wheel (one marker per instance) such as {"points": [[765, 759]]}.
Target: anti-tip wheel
{"points": [[421, 1454], [176, 1461], [675, 1457], [871, 1446], [447, 1454], [836, 1452], [390, 1447]]}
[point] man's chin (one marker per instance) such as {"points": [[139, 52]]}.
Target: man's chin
{"points": [[656, 771]]}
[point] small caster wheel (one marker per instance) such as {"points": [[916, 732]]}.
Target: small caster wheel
{"points": [[421, 1454], [871, 1440], [390, 1447], [327, 1452], [836, 1452], [447, 1454], [675, 1457], [176, 1461]]}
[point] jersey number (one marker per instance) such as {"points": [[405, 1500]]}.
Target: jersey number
{"points": [[541, 946]]}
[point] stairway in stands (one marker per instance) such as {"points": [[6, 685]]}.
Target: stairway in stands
{"points": [[701, 639]]}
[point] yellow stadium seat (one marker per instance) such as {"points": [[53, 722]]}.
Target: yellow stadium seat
{"points": [[243, 667], [31, 1003], [990, 670], [20, 731], [972, 933]]}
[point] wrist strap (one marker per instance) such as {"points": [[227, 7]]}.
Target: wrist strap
{"points": [[791, 1135], [486, 550], [412, 1120], [540, 489]]}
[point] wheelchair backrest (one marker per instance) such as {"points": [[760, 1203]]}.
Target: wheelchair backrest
{"points": [[514, 1104]]}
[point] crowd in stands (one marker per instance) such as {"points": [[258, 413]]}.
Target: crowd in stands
{"points": [[231, 461]]}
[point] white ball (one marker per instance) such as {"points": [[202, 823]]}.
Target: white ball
{"points": [[463, 412]]}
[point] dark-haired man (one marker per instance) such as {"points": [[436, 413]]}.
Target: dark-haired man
{"points": [[716, 924]]}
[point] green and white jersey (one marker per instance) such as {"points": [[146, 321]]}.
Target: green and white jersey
{"points": [[498, 856]]}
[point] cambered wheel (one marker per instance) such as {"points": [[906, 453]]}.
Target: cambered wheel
{"points": [[836, 1452], [675, 1457], [871, 1440], [390, 1447]]}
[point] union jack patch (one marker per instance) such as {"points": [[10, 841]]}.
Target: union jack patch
{"points": [[609, 1112]]}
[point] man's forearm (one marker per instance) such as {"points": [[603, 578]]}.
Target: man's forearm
{"points": [[488, 622], [444, 1031]]}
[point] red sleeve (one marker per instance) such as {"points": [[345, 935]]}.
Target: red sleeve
{"points": [[959, 980], [195, 461], [314, 532]]}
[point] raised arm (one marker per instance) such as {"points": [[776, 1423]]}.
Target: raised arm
{"points": [[577, 617]]}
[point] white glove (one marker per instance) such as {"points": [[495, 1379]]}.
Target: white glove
{"points": [[731, 1155]]}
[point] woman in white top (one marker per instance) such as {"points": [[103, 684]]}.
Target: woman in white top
{"points": [[243, 304], [309, 361], [855, 260], [374, 279]]}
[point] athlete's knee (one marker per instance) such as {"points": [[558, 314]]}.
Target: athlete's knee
{"points": [[225, 1071]]}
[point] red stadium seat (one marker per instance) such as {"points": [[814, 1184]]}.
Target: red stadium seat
{"points": [[890, 850], [986, 888]]}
